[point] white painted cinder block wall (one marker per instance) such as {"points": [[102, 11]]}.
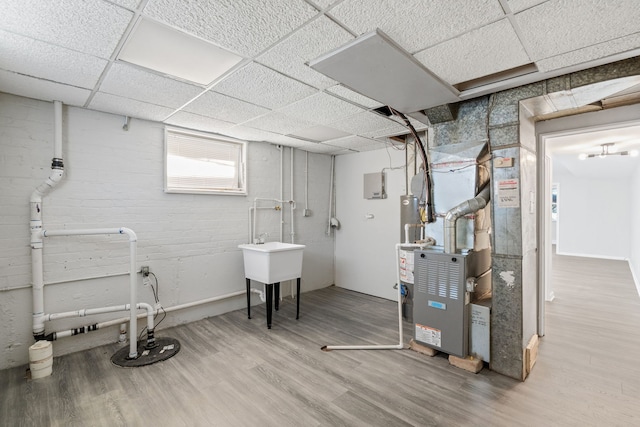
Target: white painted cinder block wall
{"points": [[114, 178]]}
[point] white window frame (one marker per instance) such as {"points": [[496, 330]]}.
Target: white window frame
{"points": [[240, 185]]}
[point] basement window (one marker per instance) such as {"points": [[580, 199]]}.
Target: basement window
{"points": [[202, 163]]}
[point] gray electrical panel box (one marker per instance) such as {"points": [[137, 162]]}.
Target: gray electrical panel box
{"points": [[440, 299], [374, 186]]}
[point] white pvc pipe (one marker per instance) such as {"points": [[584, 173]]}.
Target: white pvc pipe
{"points": [[406, 231], [37, 272], [260, 293], [255, 211], [400, 344], [333, 159], [177, 307], [292, 205], [281, 191], [133, 350], [150, 312], [306, 182]]}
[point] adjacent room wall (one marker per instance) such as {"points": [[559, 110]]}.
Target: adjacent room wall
{"points": [[634, 256], [114, 178], [594, 216]]}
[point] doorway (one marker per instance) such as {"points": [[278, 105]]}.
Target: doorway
{"points": [[595, 207]]}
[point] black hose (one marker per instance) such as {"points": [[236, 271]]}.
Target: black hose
{"points": [[427, 168]]}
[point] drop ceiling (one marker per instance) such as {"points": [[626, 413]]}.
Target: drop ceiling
{"points": [[73, 51]]}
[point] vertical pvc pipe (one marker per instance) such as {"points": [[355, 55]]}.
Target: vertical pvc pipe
{"points": [[333, 159], [133, 318], [37, 268], [57, 136], [282, 192], [291, 204]]}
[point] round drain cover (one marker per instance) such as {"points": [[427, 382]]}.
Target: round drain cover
{"points": [[165, 349]]}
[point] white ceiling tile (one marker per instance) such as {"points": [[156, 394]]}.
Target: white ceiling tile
{"points": [[129, 4], [357, 143], [260, 85], [278, 123], [348, 94], [43, 60], [368, 124], [314, 39], [243, 26], [417, 24], [251, 134], [322, 148], [319, 133], [323, 4], [478, 53], [222, 107], [297, 143], [557, 27], [128, 107], [589, 53], [198, 122], [418, 126], [31, 87], [520, 5], [128, 81], [320, 108], [90, 26]]}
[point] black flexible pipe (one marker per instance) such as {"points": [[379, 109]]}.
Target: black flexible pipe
{"points": [[427, 168]]}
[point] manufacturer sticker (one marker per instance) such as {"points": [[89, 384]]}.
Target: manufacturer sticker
{"points": [[427, 335]]}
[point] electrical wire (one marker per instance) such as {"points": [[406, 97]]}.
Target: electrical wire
{"points": [[427, 168], [156, 297]]}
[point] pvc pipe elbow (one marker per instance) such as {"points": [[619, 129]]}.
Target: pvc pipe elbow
{"points": [[129, 232]]}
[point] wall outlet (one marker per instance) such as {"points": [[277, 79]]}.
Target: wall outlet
{"points": [[144, 270]]}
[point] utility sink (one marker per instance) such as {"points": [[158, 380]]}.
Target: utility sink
{"points": [[272, 262]]}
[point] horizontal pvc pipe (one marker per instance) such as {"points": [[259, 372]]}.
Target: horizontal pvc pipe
{"points": [[150, 312], [363, 347], [85, 312], [177, 307], [91, 231], [400, 344]]}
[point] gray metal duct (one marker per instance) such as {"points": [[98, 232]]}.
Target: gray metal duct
{"points": [[464, 208]]}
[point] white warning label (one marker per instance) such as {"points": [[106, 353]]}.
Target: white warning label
{"points": [[428, 335], [406, 266], [509, 193]]}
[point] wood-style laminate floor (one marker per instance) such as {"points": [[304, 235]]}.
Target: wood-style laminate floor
{"points": [[232, 371]]}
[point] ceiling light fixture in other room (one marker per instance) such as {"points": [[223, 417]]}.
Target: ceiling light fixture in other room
{"points": [[166, 50], [607, 149]]}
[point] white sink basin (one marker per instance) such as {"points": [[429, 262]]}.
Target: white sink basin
{"points": [[272, 262]]}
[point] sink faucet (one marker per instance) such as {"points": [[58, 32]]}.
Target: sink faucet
{"points": [[260, 239]]}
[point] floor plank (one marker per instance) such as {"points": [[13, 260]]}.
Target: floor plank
{"points": [[232, 371]]}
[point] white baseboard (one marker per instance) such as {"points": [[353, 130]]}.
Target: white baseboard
{"points": [[616, 258]]}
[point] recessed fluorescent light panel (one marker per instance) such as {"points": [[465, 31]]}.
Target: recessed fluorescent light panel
{"points": [[377, 67], [164, 49]]}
